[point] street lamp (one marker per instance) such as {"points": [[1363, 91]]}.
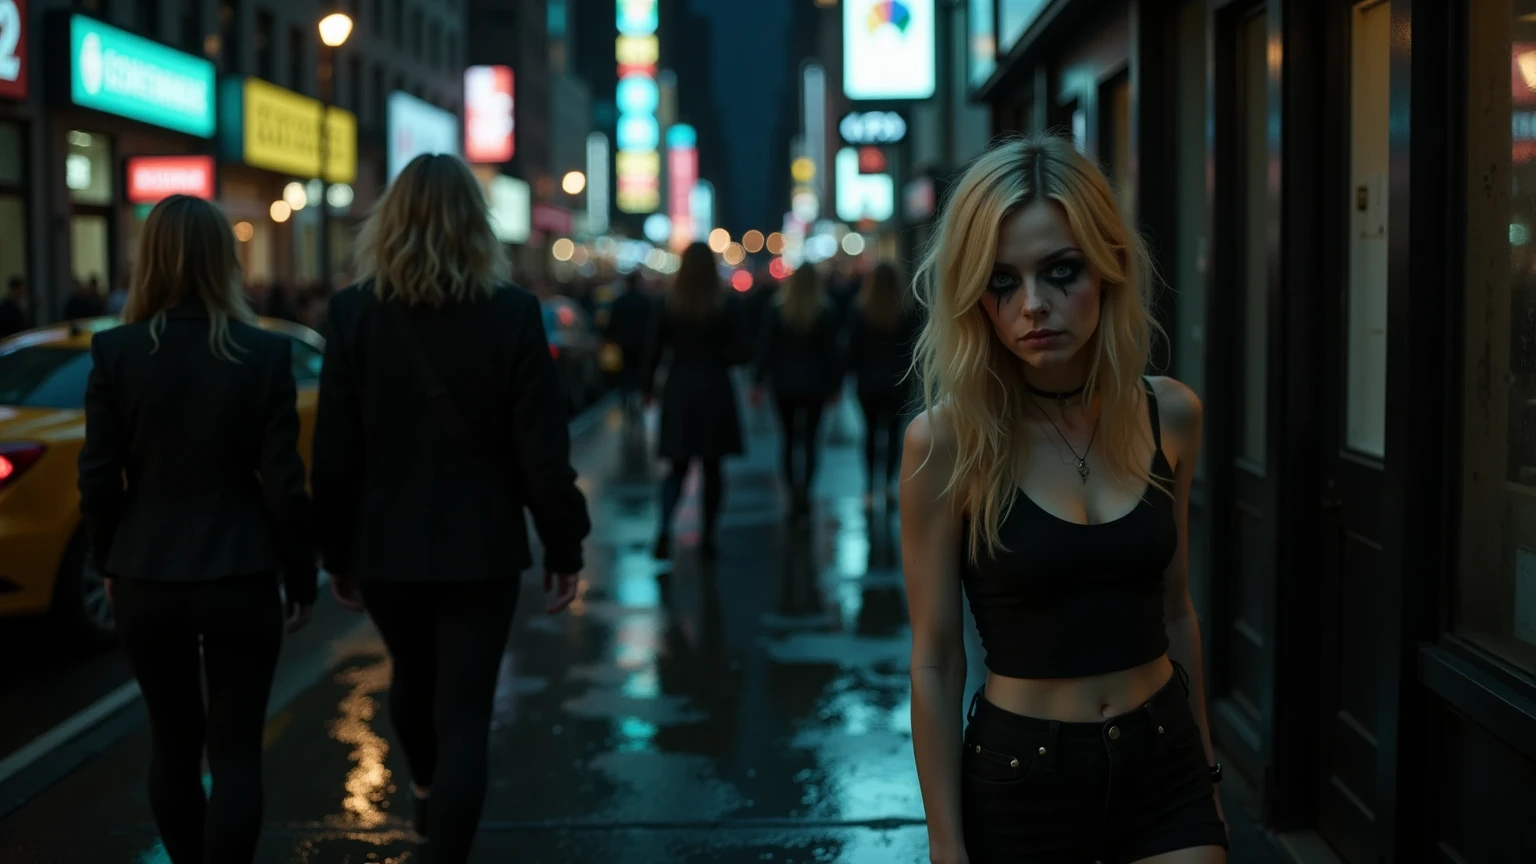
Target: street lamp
{"points": [[334, 30]]}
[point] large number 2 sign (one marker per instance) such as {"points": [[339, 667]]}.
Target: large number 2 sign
{"points": [[10, 40]]}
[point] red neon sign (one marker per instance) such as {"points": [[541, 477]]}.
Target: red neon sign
{"points": [[489, 122], [153, 178]]}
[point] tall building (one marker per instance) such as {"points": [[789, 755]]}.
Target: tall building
{"points": [[688, 47]]}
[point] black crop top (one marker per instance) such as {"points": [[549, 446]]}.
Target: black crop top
{"points": [[1067, 600]]}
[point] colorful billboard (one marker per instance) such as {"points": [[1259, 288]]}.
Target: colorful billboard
{"points": [[116, 72], [888, 49], [490, 123], [153, 178], [638, 164], [267, 126], [417, 127]]}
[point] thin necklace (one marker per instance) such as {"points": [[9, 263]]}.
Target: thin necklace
{"points": [[1066, 398], [1082, 461]]}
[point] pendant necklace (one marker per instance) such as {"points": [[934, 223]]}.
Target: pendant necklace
{"points": [[1065, 398], [1082, 461]]}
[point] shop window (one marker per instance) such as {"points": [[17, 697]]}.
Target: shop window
{"points": [[1496, 600], [88, 168], [89, 244]]}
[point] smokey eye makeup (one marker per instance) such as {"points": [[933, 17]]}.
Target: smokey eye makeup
{"points": [[1062, 273]]}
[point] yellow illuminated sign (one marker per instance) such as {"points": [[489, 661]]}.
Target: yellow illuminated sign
{"points": [[282, 134], [638, 163], [637, 50]]}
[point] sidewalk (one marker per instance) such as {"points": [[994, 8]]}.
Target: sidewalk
{"points": [[753, 711]]}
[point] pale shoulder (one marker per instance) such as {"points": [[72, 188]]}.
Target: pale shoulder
{"points": [[928, 453], [1178, 407]]}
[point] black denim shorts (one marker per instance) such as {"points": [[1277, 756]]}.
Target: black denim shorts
{"points": [[1131, 787]]}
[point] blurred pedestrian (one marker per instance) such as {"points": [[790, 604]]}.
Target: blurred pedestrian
{"points": [[881, 328], [1047, 480], [800, 363], [85, 302], [440, 421], [13, 308], [699, 336], [196, 407], [628, 329]]}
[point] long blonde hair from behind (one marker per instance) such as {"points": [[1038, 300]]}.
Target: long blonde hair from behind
{"points": [[803, 300], [965, 368], [695, 293], [883, 299], [429, 239], [186, 254]]}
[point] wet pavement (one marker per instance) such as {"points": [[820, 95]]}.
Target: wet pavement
{"points": [[752, 710]]}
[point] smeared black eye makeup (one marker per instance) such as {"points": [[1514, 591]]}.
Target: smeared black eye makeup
{"points": [[1002, 283], [1062, 273]]}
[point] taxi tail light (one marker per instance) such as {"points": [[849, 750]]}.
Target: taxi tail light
{"points": [[16, 458]]}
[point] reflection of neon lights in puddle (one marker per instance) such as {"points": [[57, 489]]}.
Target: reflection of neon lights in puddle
{"points": [[635, 734], [367, 784], [643, 684]]}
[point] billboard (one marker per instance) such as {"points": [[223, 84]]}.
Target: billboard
{"points": [[888, 49], [862, 196], [154, 178], [490, 124], [638, 164], [417, 127], [116, 72], [13, 49], [276, 129], [511, 208]]}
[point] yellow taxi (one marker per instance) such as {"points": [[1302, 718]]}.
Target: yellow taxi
{"points": [[45, 561]]}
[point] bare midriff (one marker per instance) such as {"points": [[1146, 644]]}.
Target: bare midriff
{"points": [[1080, 700]]}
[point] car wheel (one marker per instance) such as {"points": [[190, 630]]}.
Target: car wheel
{"points": [[80, 602]]}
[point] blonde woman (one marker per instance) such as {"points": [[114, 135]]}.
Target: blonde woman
{"points": [[698, 336], [1051, 480], [195, 406], [440, 421], [799, 361], [881, 331]]}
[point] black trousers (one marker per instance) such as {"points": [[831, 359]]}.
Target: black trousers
{"points": [[238, 625], [882, 422], [672, 493], [799, 420], [445, 641], [1131, 787]]}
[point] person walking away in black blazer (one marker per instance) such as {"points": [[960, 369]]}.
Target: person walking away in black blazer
{"points": [[440, 419], [193, 494], [629, 327], [700, 335], [800, 362], [882, 329]]}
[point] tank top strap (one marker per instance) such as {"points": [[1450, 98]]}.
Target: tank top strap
{"points": [[1157, 426]]}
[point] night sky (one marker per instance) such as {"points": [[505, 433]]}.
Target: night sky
{"points": [[751, 73]]}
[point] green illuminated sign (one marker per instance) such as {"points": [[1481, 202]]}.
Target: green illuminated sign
{"points": [[119, 73]]}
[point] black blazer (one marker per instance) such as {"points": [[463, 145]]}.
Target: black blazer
{"points": [[214, 484], [803, 364], [397, 498]]}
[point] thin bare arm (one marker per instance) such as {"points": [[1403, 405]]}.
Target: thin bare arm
{"points": [[930, 544]]}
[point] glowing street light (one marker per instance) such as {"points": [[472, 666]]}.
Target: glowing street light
{"points": [[280, 211], [775, 243], [734, 254], [563, 249], [752, 241], [335, 28], [573, 182], [719, 240]]}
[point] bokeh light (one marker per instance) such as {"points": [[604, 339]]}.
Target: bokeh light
{"points": [[719, 240], [775, 244], [563, 249], [734, 254], [777, 268], [244, 231], [280, 211], [573, 182], [752, 241], [295, 196], [741, 280], [853, 244]]}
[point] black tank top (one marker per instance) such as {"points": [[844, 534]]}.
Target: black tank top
{"points": [[1067, 600]]}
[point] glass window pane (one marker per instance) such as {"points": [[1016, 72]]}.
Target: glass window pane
{"points": [[88, 168], [11, 173], [1255, 322], [88, 248], [44, 377], [1497, 583], [1365, 427]]}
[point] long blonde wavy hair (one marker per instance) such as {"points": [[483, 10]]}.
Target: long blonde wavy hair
{"points": [[803, 300], [965, 368], [186, 254], [429, 239]]}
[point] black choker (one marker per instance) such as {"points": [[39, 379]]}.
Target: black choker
{"points": [[1062, 397]]}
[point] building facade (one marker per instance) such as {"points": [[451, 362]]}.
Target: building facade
{"points": [[235, 116], [1338, 197]]}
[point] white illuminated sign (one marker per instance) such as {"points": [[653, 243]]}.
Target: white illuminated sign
{"points": [[638, 165], [702, 205], [511, 209], [597, 183], [417, 127], [860, 128], [813, 96], [862, 196], [888, 49]]}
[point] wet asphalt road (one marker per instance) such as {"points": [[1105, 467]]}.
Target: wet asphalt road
{"points": [[752, 710]]}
